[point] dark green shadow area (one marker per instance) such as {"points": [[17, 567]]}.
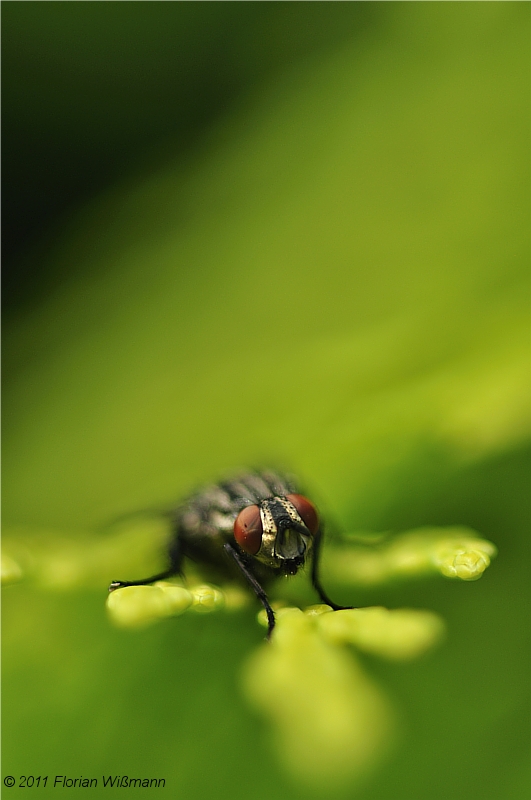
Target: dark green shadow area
{"points": [[95, 91]]}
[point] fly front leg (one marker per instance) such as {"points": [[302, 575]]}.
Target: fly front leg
{"points": [[175, 568], [316, 583], [257, 589]]}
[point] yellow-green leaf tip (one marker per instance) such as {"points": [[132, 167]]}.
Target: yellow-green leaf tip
{"points": [[206, 598], [466, 560], [138, 606], [455, 552], [331, 723], [399, 634]]}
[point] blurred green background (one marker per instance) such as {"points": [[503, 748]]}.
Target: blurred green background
{"points": [[293, 234]]}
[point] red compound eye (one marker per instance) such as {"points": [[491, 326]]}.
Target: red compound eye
{"points": [[306, 510], [248, 530]]}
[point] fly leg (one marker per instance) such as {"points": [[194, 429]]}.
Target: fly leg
{"points": [[316, 583], [176, 558], [257, 589]]}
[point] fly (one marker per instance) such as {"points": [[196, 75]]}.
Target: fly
{"points": [[256, 525]]}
